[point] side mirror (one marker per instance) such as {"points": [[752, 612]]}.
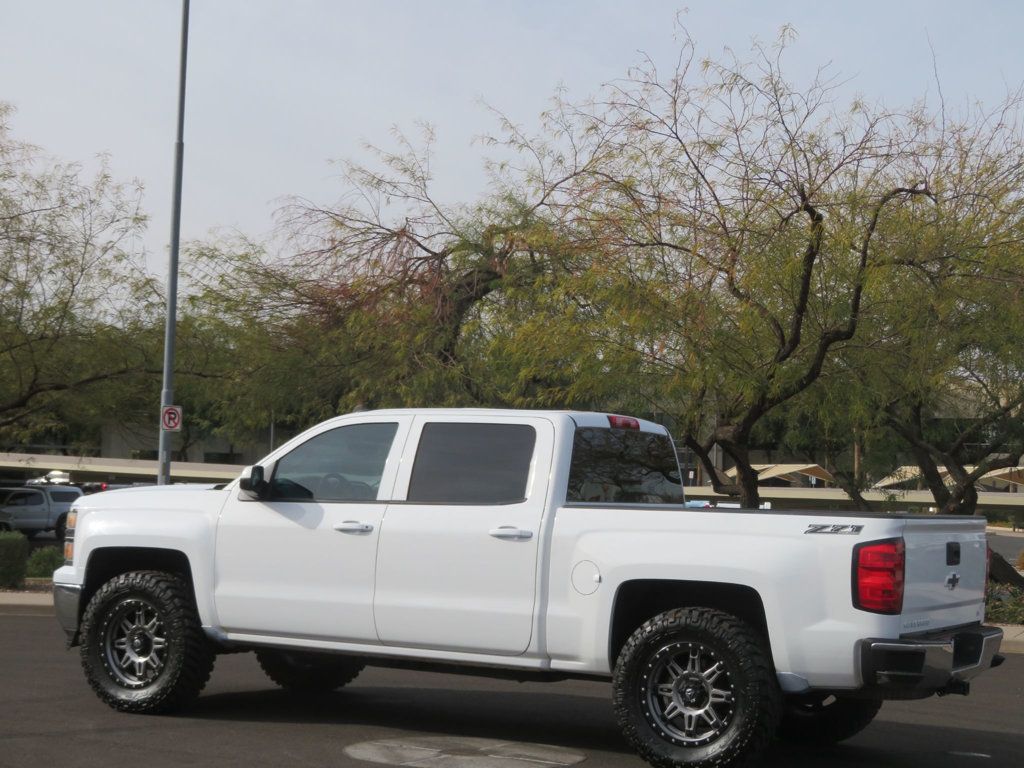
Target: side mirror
{"points": [[252, 485]]}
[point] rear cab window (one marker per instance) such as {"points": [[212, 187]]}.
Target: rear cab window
{"points": [[625, 466], [66, 496]]}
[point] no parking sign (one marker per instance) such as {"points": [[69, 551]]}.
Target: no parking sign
{"points": [[171, 418]]}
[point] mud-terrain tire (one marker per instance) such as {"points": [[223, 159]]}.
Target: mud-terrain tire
{"points": [[825, 719], [143, 649], [307, 671], [696, 687]]}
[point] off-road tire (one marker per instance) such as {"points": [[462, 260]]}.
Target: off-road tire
{"points": [[825, 719], [160, 611], [307, 671], [746, 722]]}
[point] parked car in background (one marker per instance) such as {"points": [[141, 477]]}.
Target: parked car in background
{"points": [[38, 508], [6, 521]]}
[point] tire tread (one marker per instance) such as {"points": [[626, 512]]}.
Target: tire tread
{"points": [[197, 655], [741, 639]]}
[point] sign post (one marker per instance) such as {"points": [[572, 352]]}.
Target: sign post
{"points": [[167, 393]]}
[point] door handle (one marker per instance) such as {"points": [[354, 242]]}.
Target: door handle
{"points": [[353, 526], [511, 533]]}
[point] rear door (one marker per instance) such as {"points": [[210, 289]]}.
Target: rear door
{"points": [[945, 573], [457, 562]]}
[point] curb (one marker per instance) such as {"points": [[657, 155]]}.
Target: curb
{"points": [[1013, 638], [25, 599]]}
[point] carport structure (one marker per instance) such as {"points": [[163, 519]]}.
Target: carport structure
{"points": [[794, 474], [1008, 479]]}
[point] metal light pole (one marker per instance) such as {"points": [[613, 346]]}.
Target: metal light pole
{"points": [[167, 391]]}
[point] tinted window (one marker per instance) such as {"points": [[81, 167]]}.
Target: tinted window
{"points": [[625, 466], [344, 464], [64, 496], [472, 463], [25, 499]]}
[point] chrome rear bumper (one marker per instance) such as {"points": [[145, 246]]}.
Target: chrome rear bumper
{"points": [[935, 662]]}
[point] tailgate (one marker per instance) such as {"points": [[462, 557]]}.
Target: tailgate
{"points": [[945, 573]]}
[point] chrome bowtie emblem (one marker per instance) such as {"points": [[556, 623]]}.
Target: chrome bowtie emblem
{"points": [[952, 580]]}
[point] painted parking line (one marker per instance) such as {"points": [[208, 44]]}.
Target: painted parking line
{"points": [[459, 752]]}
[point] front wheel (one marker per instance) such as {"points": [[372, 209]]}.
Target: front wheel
{"points": [[143, 649], [695, 687], [824, 719]]}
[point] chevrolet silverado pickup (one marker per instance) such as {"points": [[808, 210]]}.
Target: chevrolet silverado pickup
{"points": [[535, 545]]}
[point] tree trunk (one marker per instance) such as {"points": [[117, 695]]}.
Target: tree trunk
{"points": [[703, 455], [961, 502], [1001, 572], [849, 485], [746, 476]]}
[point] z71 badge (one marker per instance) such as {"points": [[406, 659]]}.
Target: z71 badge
{"points": [[852, 530]]}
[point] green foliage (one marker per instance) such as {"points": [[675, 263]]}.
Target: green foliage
{"points": [[73, 300], [44, 561], [13, 558], [1004, 604]]}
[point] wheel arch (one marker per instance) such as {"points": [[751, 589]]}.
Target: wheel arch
{"points": [[107, 562], [638, 600]]}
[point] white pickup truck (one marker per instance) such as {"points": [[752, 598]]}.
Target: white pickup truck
{"points": [[531, 545]]}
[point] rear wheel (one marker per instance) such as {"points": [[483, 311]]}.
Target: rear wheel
{"points": [[61, 528], [143, 649], [695, 687], [308, 672], [825, 719]]}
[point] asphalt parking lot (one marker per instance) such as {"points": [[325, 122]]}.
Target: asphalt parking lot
{"points": [[1008, 544], [50, 717]]}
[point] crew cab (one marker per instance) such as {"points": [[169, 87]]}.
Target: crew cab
{"points": [[35, 508], [533, 545]]}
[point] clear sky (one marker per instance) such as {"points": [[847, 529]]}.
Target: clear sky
{"points": [[278, 88]]}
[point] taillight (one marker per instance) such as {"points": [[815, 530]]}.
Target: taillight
{"points": [[623, 422], [878, 568]]}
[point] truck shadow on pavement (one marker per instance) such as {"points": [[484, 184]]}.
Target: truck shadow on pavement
{"points": [[587, 724]]}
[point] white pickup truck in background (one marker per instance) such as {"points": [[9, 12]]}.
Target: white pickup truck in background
{"points": [[535, 545]]}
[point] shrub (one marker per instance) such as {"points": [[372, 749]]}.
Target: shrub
{"points": [[1004, 604], [13, 558], [44, 561]]}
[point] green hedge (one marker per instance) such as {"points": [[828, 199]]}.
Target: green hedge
{"points": [[13, 559], [44, 561]]}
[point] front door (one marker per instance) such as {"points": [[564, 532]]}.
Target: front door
{"points": [[457, 563], [29, 509], [300, 563]]}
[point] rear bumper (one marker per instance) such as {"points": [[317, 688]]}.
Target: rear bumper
{"points": [[936, 662]]}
